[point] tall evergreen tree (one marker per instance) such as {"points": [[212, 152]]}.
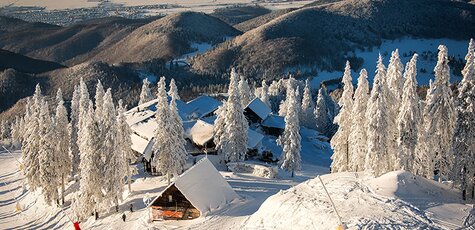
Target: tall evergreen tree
{"points": [[31, 140], [357, 138], [99, 98], [290, 140], [163, 159], [173, 91], [440, 116], [244, 92], [62, 140], [47, 159], [339, 142], [74, 131], [323, 120], [145, 94], [392, 87], [408, 118], [378, 160], [395, 77], [307, 118], [124, 142], [236, 125], [90, 196], [177, 133], [464, 136], [264, 94]]}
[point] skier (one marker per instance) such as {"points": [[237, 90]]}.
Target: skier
{"points": [[123, 217], [131, 207], [76, 226]]}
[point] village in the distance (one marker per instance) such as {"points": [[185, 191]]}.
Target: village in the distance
{"points": [[108, 139]]}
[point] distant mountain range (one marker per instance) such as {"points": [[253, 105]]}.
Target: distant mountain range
{"points": [[261, 44]]}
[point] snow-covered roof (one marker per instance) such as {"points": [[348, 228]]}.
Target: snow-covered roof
{"points": [[204, 187], [138, 143], [145, 129], [274, 121], [200, 107], [259, 108], [201, 132], [253, 138], [149, 150]]}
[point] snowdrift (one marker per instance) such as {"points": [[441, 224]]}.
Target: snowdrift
{"points": [[306, 206]]}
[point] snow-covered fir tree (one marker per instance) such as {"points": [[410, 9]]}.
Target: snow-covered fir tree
{"points": [[339, 142], [464, 136], [74, 130], [392, 93], [163, 159], [124, 142], [83, 109], [264, 93], [4, 130], [173, 91], [90, 196], [439, 118], [244, 92], [31, 140], [409, 118], [290, 139], [115, 167], [219, 129], [395, 80], [146, 93], [16, 131], [357, 138], [307, 118], [62, 140], [177, 134], [234, 145], [99, 98], [378, 160], [323, 121]]}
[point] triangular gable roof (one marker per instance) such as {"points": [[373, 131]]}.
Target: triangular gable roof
{"points": [[259, 108], [204, 187]]}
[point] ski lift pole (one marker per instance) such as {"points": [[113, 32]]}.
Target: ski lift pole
{"points": [[331, 201]]}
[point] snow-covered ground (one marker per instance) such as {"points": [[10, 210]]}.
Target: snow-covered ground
{"points": [[394, 200], [406, 46], [195, 5]]}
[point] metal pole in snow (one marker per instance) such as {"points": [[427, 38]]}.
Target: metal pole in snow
{"points": [[333, 204]]}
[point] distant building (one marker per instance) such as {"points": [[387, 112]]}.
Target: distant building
{"points": [[257, 111], [274, 125]]}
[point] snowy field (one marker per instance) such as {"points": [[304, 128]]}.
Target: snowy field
{"points": [[405, 45], [395, 200], [195, 5]]}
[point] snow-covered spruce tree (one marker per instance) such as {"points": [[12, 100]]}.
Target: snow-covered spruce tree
{"points": [[99, 98], [377, 159], [439, 118], [408, 118], [31, 140], [47, 159], [395, 80], [264, 93], [83, 108], [173, 91], [244, 92], [357, 138], [290, 139], [115, 167], [333, 109], [339, 142], [323, 120], [90, 196], [16, 131], [235, 124], [145, 94], [124, 142], [163, 159], [61, 141], [4, 130], [74, 131], [307, 118], [219, 129], [392, 93], [177, 133], [464, 136]]}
